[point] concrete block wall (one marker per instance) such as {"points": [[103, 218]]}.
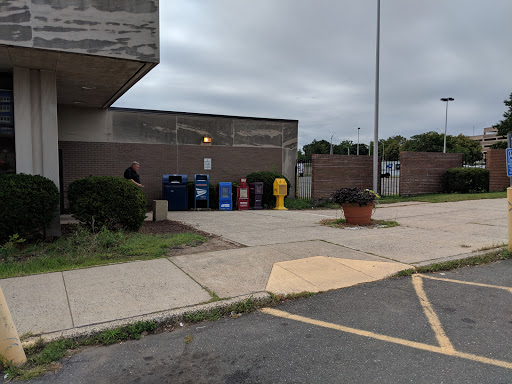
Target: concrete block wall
{"points": [[421, 172], [497, 165], [331, 172], [124, 29]]}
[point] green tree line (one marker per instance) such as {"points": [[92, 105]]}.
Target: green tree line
{"points": [[391, 147]]}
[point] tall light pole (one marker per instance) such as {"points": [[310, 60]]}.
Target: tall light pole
{"points": [[376, 123], [358, 141], [446, 99], [331, 143]]}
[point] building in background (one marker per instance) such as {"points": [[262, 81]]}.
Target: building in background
{"points": [[63, 64], [489, 137]]}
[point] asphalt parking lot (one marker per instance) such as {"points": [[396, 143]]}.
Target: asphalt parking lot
{"points": [[452, 327]]}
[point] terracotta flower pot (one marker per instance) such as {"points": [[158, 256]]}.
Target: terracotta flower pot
{"points": [[358, 215]]}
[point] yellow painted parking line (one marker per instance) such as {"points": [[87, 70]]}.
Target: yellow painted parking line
{"points": [[435, 324], [509, 289], [390, 339]]}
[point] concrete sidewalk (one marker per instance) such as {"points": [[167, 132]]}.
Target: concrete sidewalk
{"points": [[286, 252]]}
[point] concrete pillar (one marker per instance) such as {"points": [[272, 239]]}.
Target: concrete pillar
{"points": [[37, 139], [36, 128], [49, 126], [22, 120]]}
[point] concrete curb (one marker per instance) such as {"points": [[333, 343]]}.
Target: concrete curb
{"points": [[161, 318]]}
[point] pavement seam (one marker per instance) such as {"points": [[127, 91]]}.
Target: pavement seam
{"points": [[67, 298], [367, 253], [208, 290]]}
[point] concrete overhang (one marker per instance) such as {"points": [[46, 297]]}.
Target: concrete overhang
{"points": [[82, 80]]}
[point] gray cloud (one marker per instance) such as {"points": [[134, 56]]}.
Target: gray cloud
{"points": [[315, 62]]}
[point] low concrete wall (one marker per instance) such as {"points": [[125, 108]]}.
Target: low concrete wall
{"points": [[331, 172], [421, 172], [497, 165]]}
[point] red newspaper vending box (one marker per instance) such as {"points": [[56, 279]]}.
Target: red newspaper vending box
{"points": [[243, 195]]}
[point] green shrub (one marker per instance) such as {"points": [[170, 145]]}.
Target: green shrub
{"points": [[107, 201], [466, 180], [28, 204], [267, 177]]}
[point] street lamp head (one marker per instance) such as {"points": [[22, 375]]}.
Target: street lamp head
{"points": [[447, 99]]}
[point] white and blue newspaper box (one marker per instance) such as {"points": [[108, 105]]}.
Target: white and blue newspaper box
{"points": [[225, 197], [201, 190]]}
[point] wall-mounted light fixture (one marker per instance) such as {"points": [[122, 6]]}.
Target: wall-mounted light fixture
{"points": [[206, 140]]}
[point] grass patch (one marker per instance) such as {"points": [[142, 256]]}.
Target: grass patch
{"points": [[443, 197], [42, 357], [454, 264], [342, 223], [188, 339], [300, 204], [82, 248]]}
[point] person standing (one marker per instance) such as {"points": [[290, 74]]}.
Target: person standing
{"points": [[132, 175]]}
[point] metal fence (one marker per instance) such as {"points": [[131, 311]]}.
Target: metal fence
{"points": [[303, 172], [466, 163], [389, 178]]}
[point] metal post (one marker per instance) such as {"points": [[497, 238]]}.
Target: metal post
{"points": [[376, 122], [331, 143], [358, 141], [446, 99]]}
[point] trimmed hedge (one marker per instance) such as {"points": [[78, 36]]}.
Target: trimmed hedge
{"points": [[29, 203], [107, 201], [466, 180], [267, 177]]}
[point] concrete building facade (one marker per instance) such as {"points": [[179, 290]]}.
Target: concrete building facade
{"points": [[64, 63], [489, 137], [107, 141]]}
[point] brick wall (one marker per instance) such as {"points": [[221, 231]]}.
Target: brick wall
{"points": [[331, 172], [421, 172], [81, 159], [497, 165]]}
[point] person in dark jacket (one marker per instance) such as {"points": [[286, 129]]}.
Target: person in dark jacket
{"points": [[132, 175]]}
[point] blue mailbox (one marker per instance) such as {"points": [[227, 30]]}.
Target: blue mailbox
{"points": [[201, 189], [225, 197], [175, 191]]}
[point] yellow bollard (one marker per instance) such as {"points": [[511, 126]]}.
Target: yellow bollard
{"points": [[509, 207], [11, 350]]}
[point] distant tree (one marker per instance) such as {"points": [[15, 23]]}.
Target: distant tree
{"points": [[316, 147], [391, 147], [471, 149], [346, 147], [505, 125], [301, 156], [425, 142], [434, 142], [499, 145], [324, 147]]}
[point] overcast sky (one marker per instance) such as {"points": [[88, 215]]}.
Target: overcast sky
{"points": [[314, 61]]}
